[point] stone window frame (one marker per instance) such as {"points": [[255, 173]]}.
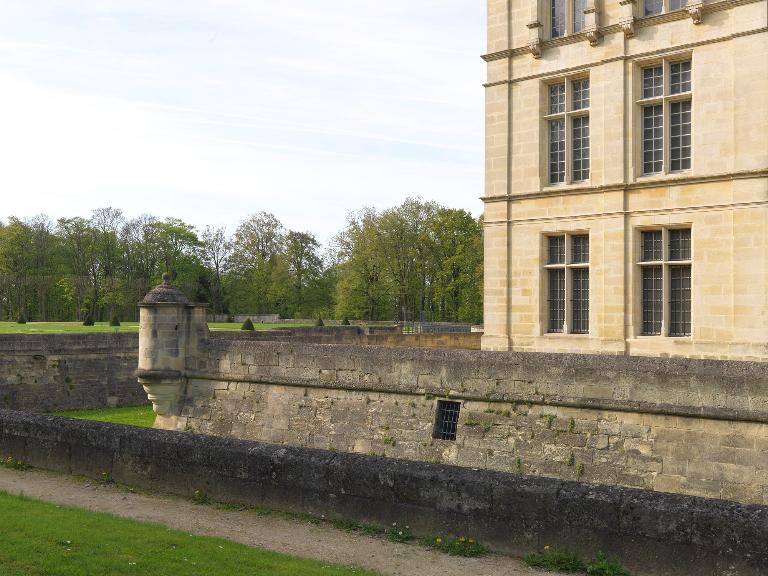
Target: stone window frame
{"points": [[666, 99], [567, 116], [567, 265], [666, 263]]}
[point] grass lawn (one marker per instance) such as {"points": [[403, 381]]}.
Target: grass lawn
{"points": [[37, 538], [142, 416], [67, 327]]}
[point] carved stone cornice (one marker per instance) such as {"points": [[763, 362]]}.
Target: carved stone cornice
{"points": [[534, 38], [592, 23], [627, 21], [694, 8]]}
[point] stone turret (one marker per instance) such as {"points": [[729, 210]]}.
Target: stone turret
{"points": [[170, 328]]}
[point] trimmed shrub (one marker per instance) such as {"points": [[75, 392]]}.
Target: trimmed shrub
{"points": [[115, 321], [247, 325], [319, 322], [21, 319], [345, 322], [88, 321]]}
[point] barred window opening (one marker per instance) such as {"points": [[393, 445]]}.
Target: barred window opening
{"points": [[580, 312], [446, 420]]}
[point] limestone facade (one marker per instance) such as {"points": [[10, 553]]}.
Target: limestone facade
{"points": [[698, 74]]}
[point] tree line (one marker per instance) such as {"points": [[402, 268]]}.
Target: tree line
{"points": [[417, 261]]}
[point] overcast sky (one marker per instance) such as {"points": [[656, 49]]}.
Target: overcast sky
{"points": [[208, 110]]}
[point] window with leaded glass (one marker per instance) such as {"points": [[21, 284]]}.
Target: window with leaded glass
{"points": [[556, 151], [578, 15], [556, 249], [567, 283], [580, 90], [580, 128], [652, 247], [680, 77], [653, 81], [680, 136], [580, 249], [567, 117], [665, 277], [556, 300], [666, 117], [654, 7], [557, 98], [653, 299], [653, 139], [680, 244], [580, 302], [558, 18], [680, 301]]}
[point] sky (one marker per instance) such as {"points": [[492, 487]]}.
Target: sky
{"points": [[210, 110]]}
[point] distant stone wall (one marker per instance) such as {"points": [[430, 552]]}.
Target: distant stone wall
{"points": [[356, 335], [653, 534], [694, 427], [69, 371]]}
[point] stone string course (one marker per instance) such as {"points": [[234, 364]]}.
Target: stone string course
{"points": [[69, 371], [693, 427], [653, 533]]}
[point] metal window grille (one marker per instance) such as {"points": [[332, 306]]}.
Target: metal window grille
{"points": [[653, 139], [680, 301], [580, 96], [556, 250], [556, 151], [652, 249], [653, 7], [580, 302], [680, 244], [653, 81], [557, 98], [653, 299], [680, 136], [580, 249], [578, 15], [680, 75], [580, 128], [558, 18], [446, 420], [556, 300]]}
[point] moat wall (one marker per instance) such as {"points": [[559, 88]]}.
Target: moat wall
{"points": [[695, 427], [653, 533], [69, 371]]}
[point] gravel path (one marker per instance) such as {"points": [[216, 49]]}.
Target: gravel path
{"points": [[320, 542]]}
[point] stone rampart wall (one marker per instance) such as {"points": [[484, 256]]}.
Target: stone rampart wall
{"points": [[652, 533], [69, 371], [355, 335], [694, 427]]}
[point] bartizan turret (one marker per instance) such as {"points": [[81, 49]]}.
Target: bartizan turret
{"points": [[170, 328]]}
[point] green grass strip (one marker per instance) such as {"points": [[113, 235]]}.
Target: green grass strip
{"points": [[37, 538], [141, 416]]}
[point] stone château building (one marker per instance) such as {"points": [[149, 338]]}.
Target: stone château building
{"points": [[626, 201]]}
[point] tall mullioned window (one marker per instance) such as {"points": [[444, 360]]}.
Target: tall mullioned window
{"points": [[567, 118], [665, 278], [567, 283], [666, 100]]}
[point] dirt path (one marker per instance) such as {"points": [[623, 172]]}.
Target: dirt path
{"points": [[321, 542]]}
